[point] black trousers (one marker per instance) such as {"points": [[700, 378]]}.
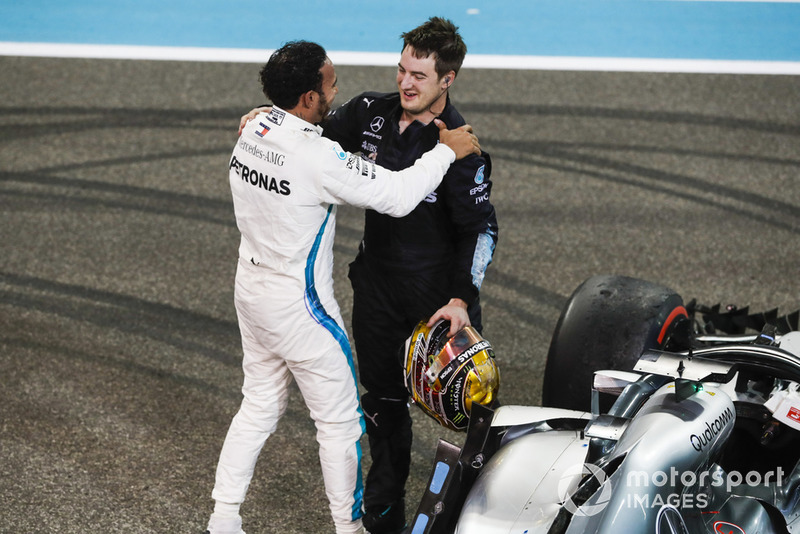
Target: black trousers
{"points": [[386, 308]]}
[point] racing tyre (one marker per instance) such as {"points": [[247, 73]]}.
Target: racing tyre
{"points": [[606, 324]]}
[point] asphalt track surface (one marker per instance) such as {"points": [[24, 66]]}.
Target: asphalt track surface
{"points": [[119, 350]]}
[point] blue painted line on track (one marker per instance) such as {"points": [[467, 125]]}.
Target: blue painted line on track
{"points": [[753, 31]]}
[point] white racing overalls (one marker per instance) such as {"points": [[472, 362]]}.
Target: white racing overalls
{"points": [[286, 180]]}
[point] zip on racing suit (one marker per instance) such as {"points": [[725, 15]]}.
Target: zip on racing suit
{"points": [[286, 181], [407, 268]]}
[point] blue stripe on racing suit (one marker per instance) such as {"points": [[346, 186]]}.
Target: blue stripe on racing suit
{"points": [[322, 317]]}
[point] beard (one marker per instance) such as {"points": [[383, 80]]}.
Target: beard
{"points": [[323, 108]]}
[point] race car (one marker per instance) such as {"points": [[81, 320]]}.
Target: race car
{"points": [[659, 416]]}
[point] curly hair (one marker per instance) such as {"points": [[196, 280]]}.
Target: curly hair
{"points": [[292, 70], [438, 36]]}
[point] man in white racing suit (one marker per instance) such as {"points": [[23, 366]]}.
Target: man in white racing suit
{"points": [[286, 180]]}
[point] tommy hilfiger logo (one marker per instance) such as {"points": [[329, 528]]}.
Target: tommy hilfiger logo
{"points": [[263, 131]]}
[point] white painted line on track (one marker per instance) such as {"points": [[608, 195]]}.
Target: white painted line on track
{"points": [[612, 64], [477, 61]]}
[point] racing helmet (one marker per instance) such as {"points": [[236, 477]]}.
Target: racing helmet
{"points": [[446, 375]]}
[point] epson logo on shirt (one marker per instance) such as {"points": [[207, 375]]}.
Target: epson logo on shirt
{"points": [[479, 189]]}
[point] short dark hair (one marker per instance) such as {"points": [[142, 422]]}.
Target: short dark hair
{"points": [[293, 70], [438, 36]]}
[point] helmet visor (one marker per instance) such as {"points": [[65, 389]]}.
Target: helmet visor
{"points": [[459, 349]]}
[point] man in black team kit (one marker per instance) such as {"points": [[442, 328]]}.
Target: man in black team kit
{"points": [[428, 264]]}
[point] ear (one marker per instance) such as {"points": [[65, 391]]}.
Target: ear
{"points": [[449, 78], [308, 99]]}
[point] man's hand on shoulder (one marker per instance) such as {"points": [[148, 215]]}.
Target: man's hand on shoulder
{"points": [[462, 140], [252, 115]]}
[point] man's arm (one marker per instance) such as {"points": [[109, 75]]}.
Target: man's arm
{"points": [[347, 178], [467, 189]]}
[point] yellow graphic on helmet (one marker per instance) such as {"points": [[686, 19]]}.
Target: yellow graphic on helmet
{"points": [[446, 375]]}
